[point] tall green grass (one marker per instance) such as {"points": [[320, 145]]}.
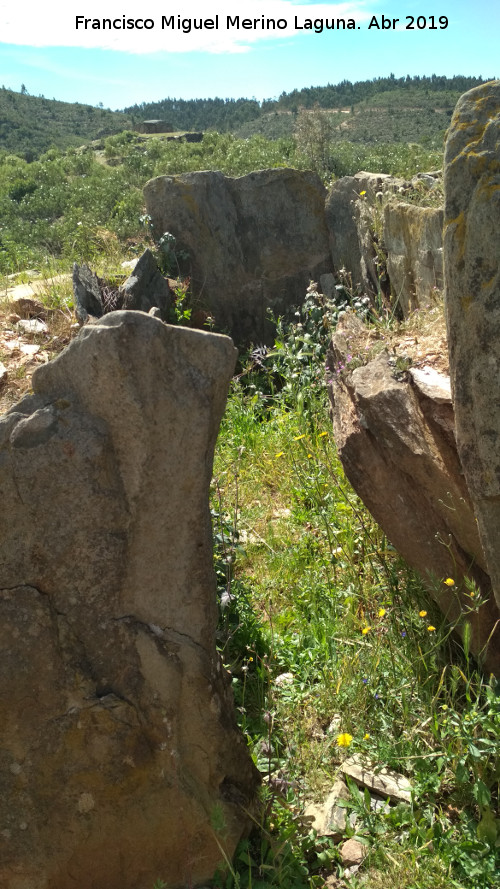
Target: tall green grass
{"points": [[328, 633]]}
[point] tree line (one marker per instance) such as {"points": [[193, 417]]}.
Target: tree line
{"points": [[230, 114]]}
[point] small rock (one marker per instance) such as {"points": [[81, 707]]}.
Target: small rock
{"points": [[247, 537], [147, 288], [327, 283], [284, 679], [282, 513], [336, 722], [29, 348], [329, 819], [3, 374], [32, 325], [12, 345], [27, 307], [432, 383], [352, 853], [378, 804], [385, 782], [425, 179]]}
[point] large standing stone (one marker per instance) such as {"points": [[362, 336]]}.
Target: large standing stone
{"points": [[472, 296], [396, 442], [120, 762], [254, 243]]}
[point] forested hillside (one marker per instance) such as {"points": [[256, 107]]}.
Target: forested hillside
{"points": [[231, 114], [386, 109], [29, 125]]}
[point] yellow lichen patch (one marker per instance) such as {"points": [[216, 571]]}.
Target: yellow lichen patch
{"points": [[489, 187], [466, 302], [459, 233], [480, 101], [487, 284], [478, 162], [476, 129]]}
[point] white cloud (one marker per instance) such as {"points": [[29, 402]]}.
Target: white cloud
{"points": [[34, 24]]}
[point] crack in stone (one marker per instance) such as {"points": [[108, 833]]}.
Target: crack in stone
{"points": [[160, 633], [29, 586]]}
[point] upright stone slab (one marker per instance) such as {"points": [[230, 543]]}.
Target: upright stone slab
{"points": [[413, 238], [472, 297], [395, 438], [120, 761], [254, 243], [349, 213]]}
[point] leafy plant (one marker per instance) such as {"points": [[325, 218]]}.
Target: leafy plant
{"points": [[348, 637]]}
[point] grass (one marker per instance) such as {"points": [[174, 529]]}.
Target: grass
{"points": [[327, 632]]}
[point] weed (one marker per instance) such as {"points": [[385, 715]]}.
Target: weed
{"points": [[330, 635]]}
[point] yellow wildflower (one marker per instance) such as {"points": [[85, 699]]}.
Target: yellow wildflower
{"points": [[322, 434], [382, 612], [449, 581], [365, 630], [422, 613], [298, 437], [430, 628], [362, 193], [366, 737], [344, 740], [278, 455]]}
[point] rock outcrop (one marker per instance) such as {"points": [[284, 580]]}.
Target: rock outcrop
{"points": [[349, 217], [86, 294], [472, 299], [395, 436], [413, 240], [146, 290], [254, 243], [387, 245], [120, 761]]}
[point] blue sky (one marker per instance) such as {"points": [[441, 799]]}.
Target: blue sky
{"points": [[42, 48]]}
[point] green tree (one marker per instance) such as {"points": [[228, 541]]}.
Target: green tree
{"points": [[313, 138]]}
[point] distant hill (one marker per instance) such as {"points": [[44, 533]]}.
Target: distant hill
{"points": [[386, 109], [274, 117], [392, 116], [30, 125]]}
